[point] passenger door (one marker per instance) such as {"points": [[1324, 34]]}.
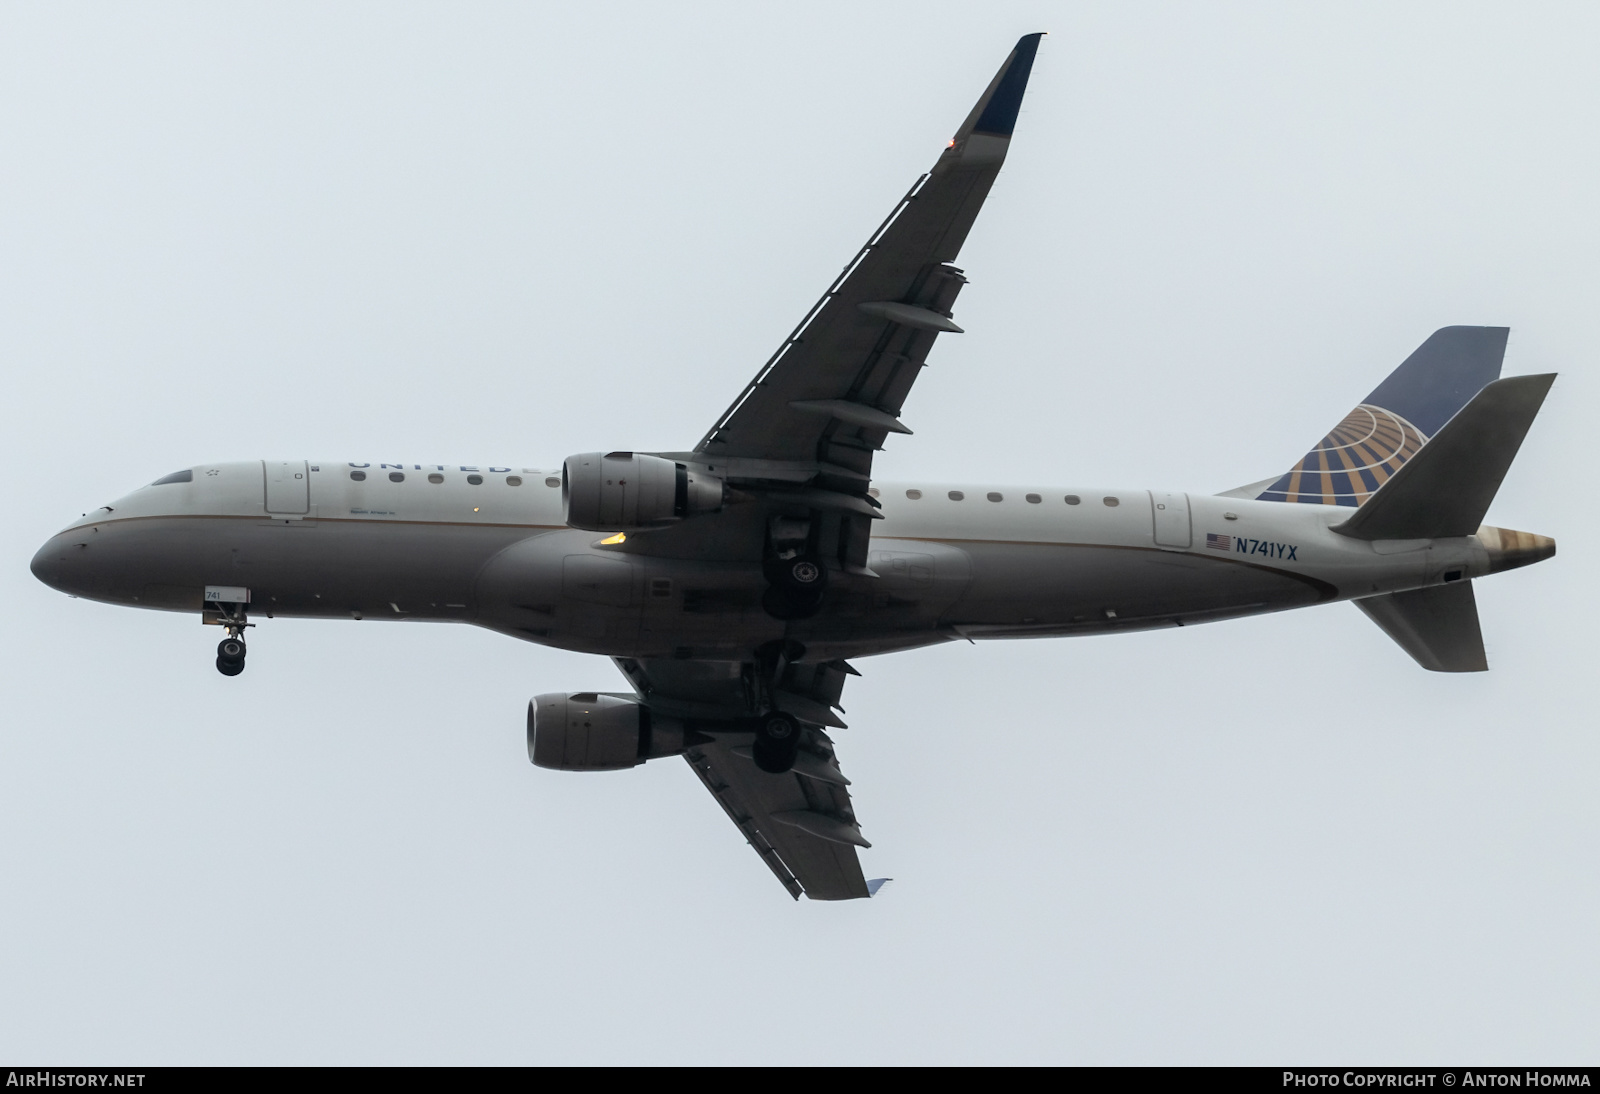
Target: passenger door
{"points": [[1171, 515], [288, 487]]}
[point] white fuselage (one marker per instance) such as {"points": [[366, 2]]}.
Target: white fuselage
{"points": [[947, 561]]}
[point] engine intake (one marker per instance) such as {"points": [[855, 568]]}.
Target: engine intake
{"points": [[587, 731], [630, 491]]}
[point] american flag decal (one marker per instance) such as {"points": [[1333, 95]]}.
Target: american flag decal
{"points": [[1219, 543]]}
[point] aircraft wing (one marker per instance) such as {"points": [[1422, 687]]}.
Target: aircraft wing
{"points": [[801, 822], [833, 391]]}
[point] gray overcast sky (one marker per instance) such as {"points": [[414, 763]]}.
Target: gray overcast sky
{"points": [[512, 232]]}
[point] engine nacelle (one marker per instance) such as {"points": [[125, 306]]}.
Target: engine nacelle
{"points": [[629, 491], [587, 731]]}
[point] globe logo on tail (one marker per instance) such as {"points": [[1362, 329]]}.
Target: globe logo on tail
{"points": [[1346, 468]]}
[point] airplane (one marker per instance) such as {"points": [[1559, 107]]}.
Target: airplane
{"points": [[733, 584]]}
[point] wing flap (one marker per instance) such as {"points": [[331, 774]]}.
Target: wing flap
{"points": [[765, 807], [801, 822], [704, 764]]}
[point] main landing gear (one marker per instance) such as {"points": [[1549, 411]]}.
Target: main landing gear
{"points": [[777, 742], [796, 574], [798, 583], [778, 733]]}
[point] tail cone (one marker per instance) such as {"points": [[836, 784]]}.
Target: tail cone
{"points": [[1509, 549]]}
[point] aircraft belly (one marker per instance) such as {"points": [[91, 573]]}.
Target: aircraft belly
{"points": [[1098, 587], [564, 588], [317, 568], [416, 570], [703, 609]]}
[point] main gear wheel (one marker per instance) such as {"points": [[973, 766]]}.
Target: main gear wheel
{"points": [[777, 742]]}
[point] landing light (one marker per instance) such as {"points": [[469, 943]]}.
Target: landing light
{"points": [[612, 541]]}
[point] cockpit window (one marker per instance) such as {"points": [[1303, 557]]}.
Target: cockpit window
{"points": [[176, 476]]}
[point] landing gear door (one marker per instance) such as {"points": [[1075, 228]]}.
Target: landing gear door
{"points": [[1171, 513], [288, 486]]}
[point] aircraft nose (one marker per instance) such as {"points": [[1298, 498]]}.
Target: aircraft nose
{"points": [[59, 564], [47, 565]]}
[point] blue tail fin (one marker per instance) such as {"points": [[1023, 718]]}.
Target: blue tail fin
{"points": [[1393, 423]]}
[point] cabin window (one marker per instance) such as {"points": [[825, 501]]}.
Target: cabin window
{"points": [[995, 495], [176, 476], [397, 476], [1073, 499], [914, 495], [359, 476], [552, 481], [513, 480], [436, 478], [1111, 502], [475, 480], [1033, 499], [956, 495]]}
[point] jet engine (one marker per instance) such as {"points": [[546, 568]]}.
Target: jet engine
{"points": [[630, 491], [587, 731]]}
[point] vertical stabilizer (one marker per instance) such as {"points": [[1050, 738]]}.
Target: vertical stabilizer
{"points": [[1391, 425]]}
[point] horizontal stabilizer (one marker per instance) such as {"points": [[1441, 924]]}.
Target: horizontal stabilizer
{"points": [[876, 883], [1437, 626], [1445, 489]]}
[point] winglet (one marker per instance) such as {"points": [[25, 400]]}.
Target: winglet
{"points": [[996, 112]]}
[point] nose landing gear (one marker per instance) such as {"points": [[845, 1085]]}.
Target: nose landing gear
{"points": [[231, 650], [230, 656]]}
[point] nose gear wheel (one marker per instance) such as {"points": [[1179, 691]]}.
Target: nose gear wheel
{"points": [[231, 650]]}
